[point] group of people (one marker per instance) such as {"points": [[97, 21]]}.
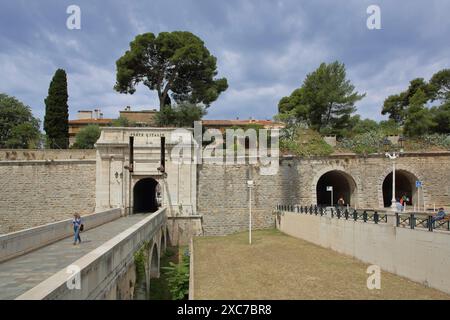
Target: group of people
{"points": [[401, 204]]}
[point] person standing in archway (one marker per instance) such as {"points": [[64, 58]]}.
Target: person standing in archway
{"points": [[405, 199], [341, 203]]}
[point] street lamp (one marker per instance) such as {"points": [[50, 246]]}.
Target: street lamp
{"points": [[393, 155], [250, 185]]}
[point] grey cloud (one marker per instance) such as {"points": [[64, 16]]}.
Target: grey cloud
{"points": [[264, 48]]}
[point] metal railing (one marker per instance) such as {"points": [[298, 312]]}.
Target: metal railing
{"points": [[421, 221], [402, 220], [337, 212]]}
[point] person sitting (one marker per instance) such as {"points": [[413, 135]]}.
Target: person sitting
{"points": [[398, 205], [440, 215]]}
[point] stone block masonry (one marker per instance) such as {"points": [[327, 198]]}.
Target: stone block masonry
{"points": [[39, 187], [223, 196], [46, 154], [38, 192]]}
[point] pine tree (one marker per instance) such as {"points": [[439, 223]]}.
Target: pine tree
{"points": [[419, 119], [56, 121]]}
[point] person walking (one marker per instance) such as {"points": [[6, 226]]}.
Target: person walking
{"points": [[77, 228]]}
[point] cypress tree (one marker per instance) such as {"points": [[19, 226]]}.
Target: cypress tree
{"points": [[56, 121]]}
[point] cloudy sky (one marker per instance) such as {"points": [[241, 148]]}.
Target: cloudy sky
{"points": [[265, 48]]}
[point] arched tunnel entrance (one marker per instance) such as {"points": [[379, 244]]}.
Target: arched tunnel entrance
{"points": [[343, 186], [404, 185], [145, 196]]}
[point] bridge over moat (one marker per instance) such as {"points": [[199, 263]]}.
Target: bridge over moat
{"points": [[103, 263]]}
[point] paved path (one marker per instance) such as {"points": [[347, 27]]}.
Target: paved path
{"points": [[23, 273]]}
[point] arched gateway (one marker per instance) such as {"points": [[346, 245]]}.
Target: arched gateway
{"points": [[136, 190], [145, 195], [343, 185], [405, 185]]}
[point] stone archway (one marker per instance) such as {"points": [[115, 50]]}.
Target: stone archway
{"points": [[163, 241], [343, 186], [405, 184], [145, 198], [154, 262]]}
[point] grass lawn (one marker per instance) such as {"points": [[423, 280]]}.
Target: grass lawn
{"points": [[277, 266]]}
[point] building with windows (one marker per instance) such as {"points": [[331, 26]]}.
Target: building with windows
{"points": [[139, 118], [85, 118]]}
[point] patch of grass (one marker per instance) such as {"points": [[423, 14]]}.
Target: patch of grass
{"points": [[277, 266], [306, 143]]}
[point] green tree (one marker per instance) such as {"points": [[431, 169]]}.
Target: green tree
{"points": [[181, 115], [87, 137], [18, 127], [326, 99], [172, 62], [359, 126], [390, 127], [419, 118], [441, 118], [440, 85], [123, 122], [56, 121], [396, 106]]}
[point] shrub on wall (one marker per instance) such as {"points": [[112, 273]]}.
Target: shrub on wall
{"points": [[178, 278], [372, 142], [306, 143], [439, 140], [365, 143]]}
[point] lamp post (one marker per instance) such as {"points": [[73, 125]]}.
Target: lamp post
{"points": [[250, 186], [393, 155]]}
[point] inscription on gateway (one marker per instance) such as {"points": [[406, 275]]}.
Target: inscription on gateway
{"points": [[147, 134]]}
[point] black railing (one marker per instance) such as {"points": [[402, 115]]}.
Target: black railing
{"points": [[337, 212], [413, 221], [404, 220]]}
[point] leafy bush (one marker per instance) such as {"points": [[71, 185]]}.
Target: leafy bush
{"points": [[182, 115], [123, 122], [428, 141], [307, 143], [365, 143], [87, 137], [169, 252], [178, 278], [439, 140]]}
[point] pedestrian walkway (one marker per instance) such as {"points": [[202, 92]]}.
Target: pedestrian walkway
{"points": [[20, 274]]}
